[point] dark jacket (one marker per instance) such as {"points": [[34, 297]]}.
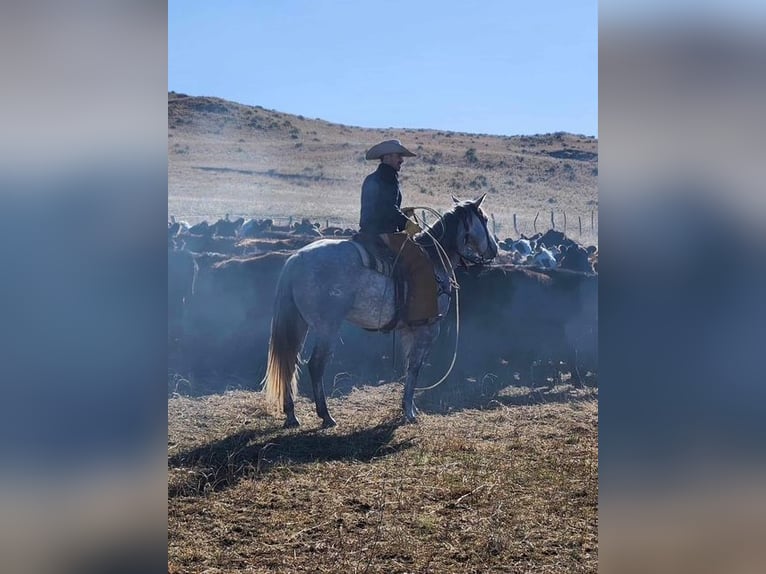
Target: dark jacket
{"points": [[381, 200]]}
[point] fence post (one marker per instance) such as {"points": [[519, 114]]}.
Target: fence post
{"points": [[579, 219], [553, 223], [516, 229], [534, 223], [565, 222], [494, 226], [591, 220]]}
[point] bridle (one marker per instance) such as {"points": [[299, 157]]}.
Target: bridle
{"points": [[463, 212], [478, 259]]}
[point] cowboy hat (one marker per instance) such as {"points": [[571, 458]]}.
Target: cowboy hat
{"points": [[389, 146]]}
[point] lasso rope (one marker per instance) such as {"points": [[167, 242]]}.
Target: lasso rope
{"points": [[447, 266]]}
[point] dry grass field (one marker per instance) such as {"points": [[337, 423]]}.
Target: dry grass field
{"points": [[509, 488], [225, 157], [490, 480]]}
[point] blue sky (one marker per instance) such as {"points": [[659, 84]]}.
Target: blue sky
{"points": [[502, 67]]}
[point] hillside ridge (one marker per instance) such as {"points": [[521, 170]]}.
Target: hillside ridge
{"points": [[216, 105], [226, 157]]}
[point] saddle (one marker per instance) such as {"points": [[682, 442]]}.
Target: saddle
{"points": [[377, 256]]}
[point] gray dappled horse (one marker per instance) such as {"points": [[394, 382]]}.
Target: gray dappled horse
{"points": [[325, 283]]}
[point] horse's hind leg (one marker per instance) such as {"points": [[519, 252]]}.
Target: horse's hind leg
{"points": [[319, 356], [289, 408]]}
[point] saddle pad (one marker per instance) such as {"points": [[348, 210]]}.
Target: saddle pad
{"points": [[385, 267], [373, 262]]}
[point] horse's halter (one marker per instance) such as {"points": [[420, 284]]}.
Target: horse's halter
{"points": [[474, 256]]}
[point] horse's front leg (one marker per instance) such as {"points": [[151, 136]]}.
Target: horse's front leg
{"points": [[319, 356], [417, 343]]}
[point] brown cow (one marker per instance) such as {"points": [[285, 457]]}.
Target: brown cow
{"points": [[181, 270], [230, 314]]}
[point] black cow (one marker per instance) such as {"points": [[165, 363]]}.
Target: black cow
{"points": [[514, 319], [201, 228], [576, 258], [226, 227], [554, 238]]}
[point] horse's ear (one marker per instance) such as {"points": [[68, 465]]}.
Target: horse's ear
{"points": [[455, 199], [479, 200]]}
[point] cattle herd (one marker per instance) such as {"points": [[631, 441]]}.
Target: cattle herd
{"points": [[529, 318]]}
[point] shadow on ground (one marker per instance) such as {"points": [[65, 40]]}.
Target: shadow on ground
{"points": [[250, 453]]}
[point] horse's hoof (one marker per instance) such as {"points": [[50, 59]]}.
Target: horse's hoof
{"points": [[292, 424], [410, 414], [328, 423]]}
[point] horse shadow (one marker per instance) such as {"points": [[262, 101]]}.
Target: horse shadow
{"points": [[249, 454]]}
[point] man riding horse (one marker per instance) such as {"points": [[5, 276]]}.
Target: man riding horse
{"points": [[381, 216], [327, 283]]}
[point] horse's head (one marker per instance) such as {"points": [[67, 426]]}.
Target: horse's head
{"points": [[474, 242]]}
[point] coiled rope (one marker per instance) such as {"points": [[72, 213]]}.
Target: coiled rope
{"points": [[447, 266]]}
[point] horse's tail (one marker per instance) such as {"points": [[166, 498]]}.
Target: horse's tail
{"points": [[288, 330]]}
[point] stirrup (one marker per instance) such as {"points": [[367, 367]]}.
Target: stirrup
{"points": [[427, 321]]}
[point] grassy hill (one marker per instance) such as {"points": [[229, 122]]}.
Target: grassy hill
{"points": [[225, 157]]}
